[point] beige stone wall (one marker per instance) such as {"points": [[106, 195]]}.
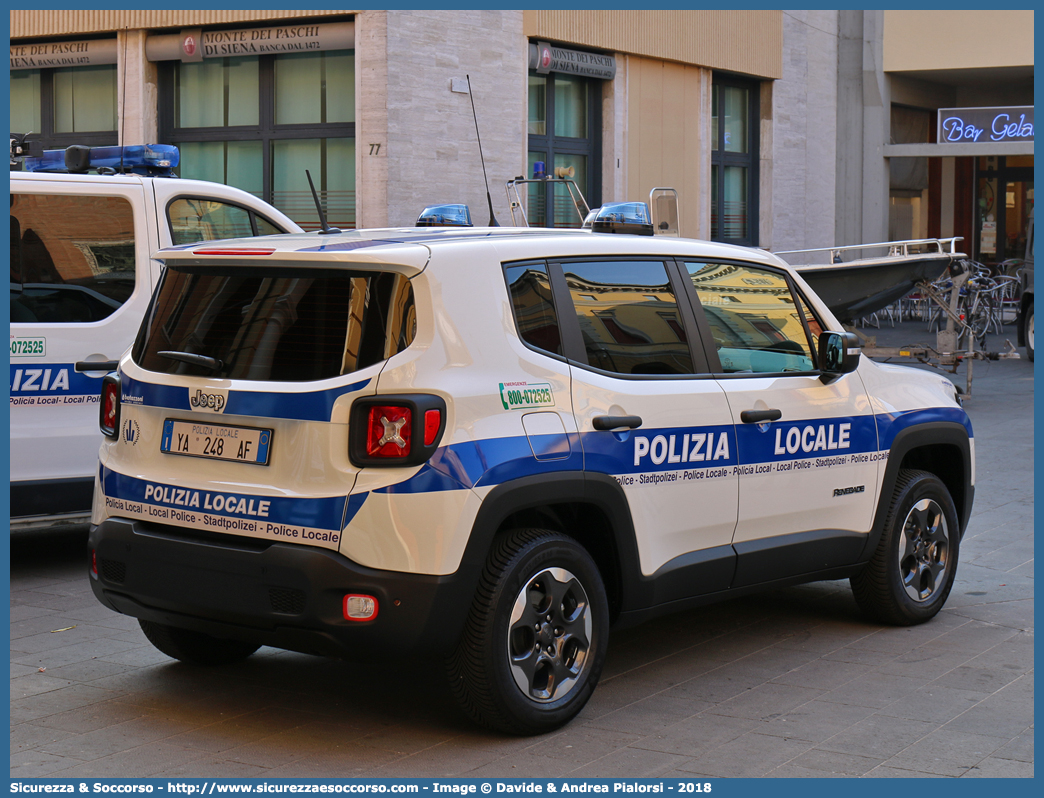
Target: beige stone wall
{"points": [[432, 152], [933, 40], [668, 137], [749, 42], [68, 22]]}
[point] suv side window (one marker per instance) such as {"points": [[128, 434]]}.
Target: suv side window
{"points": [[72, 257], [756, 320], [534, 306], [629, 317], [195, 219]]}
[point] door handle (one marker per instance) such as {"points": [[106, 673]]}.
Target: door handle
{"points": [[616, 422], [97, 365], [757, 416]]}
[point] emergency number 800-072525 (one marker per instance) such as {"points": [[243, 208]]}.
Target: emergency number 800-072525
{"points": [[25, 347]]}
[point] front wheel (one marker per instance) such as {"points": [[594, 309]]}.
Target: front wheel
{"points": [[535, 639], [910, 574]]}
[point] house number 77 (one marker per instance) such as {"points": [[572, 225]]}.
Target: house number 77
{"points": [[375, 149]]}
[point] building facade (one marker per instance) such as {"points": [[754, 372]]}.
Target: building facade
{"points": [[782, 130]]}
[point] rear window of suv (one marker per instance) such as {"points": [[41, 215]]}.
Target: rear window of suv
{"points": [[281, 324]]}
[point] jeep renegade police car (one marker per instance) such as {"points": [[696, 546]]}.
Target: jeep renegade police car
{"points": [[81, 279], [494, 444]]}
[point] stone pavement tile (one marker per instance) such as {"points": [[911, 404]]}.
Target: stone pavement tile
{"points": [[55, 701], [78, 652], [815, 721], [795, 771], [1020, 748], [1016, 614], [1025, 570], [96, 715], [983, 680], [88, 670], [934, 703], [235, 731], [766, 701], [35, 683], [24, 670], [51, 639], [119, 737], [846, 764], [898, 639], [946, 753], [993, 768], [133, 762], [747, 756], [822, 674], [440, 761], [649, 715], [630, 762], [874, 690], [885, 772], [925, 662], [34, 764], [860, 656], [410, 736], [26, 736], [524, 765], [974, 637], [286, 746], [772, 662], [697, 735], [828, 636], [994, 719], [583, 745], [136, 655], [20, 612], [878, 736], [208, 767], [715, 686]]}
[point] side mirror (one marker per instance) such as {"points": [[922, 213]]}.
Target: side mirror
{"points": [[838, 354]]}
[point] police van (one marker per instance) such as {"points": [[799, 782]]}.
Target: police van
{"points": [[81, 278], [491, 445]]}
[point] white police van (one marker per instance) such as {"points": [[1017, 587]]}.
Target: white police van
{"points": [[493, 444], [81, 279]]}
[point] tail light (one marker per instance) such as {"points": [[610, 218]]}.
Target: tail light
{"points": [[110, 405], [401, 430], [94, 563]]}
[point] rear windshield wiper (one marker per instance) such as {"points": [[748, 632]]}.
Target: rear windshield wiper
{"points": [[211, 363]]}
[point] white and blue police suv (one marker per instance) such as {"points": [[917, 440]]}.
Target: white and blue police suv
{"points": [[492, 445], [81, 278]]}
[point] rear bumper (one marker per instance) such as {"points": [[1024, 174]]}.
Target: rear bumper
{"points": [[278, 594]]}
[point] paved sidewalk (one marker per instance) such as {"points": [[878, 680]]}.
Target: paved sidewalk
{"points": [[789, 683]]}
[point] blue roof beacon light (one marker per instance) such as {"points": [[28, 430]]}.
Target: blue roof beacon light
{"points": [[149, 160], [445, 216], [623, 217]]}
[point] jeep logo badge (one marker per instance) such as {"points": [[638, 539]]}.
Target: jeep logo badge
{"points": [[207, 401]]}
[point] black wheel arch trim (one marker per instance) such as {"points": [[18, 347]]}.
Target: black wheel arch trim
{"points": [[934, 433]]}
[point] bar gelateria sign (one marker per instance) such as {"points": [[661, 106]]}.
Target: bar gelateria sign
{"points": [[1013, 123]]}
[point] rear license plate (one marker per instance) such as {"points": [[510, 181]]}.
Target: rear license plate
{"points": [[216, 441]]}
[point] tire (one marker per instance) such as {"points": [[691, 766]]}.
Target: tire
{"points": [[910, 574], [535, 640], [194, 647], [1029, 332]]}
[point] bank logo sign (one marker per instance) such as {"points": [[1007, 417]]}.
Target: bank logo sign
{"points": [[523, 395]]}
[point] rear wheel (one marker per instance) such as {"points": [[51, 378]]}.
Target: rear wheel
{"points": [[535, 639], [910, 574], [194, 647]]}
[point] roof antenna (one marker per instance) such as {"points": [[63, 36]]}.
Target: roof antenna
{"points": [[327, 230], [492, 219]]}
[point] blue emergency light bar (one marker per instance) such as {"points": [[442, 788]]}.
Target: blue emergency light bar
{"points": [[445, 216], [150, 160], [623, 217]]}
